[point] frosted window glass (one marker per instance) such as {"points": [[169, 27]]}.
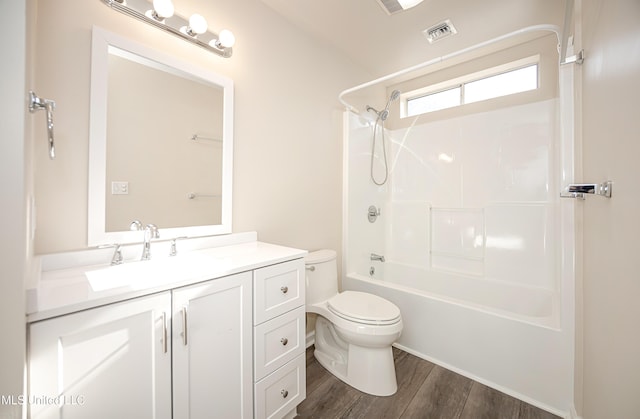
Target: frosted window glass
{"points": [[504, 84], [434, 102]]}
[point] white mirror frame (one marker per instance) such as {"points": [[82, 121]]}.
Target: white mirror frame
{"points": [[97, 234]]}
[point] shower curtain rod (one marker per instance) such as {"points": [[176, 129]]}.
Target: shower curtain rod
{"points": [[543, 27]]}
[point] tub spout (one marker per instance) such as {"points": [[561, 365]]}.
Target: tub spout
{"points": [[377, 257]]}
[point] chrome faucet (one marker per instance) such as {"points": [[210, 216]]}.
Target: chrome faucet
{"points": [[150, 232], [377, 257]]}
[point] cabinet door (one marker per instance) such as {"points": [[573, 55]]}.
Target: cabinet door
{"points": [[212, 349], [108, 362]]}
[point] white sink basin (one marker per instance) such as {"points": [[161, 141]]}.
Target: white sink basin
{"points": [[155, 272]]}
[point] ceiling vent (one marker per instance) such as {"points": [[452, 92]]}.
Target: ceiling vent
{"points": [[395, 6], [439, 31]]}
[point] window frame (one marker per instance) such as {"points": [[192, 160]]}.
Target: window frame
{"points": [[460, 82]]}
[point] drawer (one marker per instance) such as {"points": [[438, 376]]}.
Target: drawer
{"points": [[277, 394], [278, 289], [278, 341]]}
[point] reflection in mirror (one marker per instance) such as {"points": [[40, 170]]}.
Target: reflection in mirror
{"points": [[145, 134], [160, 146]]}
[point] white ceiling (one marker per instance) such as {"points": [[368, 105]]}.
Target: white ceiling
{"points": [[383, 44]]}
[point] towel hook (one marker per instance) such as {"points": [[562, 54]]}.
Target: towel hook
{"points": [[35, 104]]}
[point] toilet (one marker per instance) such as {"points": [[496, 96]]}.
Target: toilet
{"points": [[354, 330]]}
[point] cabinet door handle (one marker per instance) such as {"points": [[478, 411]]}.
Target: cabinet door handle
{"points": [[284, 341], [284, 289], [164, 332], [184, 325], [284, 393]]}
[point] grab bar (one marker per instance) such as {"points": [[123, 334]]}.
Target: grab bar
{"points": [[579, 190], [35, 104]]}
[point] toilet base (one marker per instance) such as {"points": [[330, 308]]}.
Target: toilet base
{"points": [[368, 369]]}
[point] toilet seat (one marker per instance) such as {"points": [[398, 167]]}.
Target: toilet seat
{"points": [[364, 308]]}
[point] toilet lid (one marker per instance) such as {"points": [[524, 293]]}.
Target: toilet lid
{"points": [[362, 307]]}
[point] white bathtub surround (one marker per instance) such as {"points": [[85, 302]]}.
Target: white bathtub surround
{"points": [[476, 243]]}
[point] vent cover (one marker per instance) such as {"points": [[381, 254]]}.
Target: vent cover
{"points": [[439, 31]]}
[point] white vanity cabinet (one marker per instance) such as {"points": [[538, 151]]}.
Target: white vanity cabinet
{"points": [[116, 361], [212, 349], [107, 362], [216, 333], [279, 339]]}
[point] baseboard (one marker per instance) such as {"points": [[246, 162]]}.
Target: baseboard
{"points": [[573, 414], [311, 338]]}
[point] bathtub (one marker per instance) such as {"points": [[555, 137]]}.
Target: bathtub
{"points": [[527, 304], [503, 335]]}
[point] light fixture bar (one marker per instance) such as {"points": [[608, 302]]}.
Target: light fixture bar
{"points": [[177, 25]]}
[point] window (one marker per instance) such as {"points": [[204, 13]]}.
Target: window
{"points": [[434, 102], [515, 81], [517, 77]]}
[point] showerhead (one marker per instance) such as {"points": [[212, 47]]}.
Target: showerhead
{"points": [[394, 96]]}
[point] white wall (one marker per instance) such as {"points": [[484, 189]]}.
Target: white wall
{"points": [[287, 177], [13, 246], [611, 85]]}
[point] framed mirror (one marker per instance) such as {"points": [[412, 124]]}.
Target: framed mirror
{"points": [[160, 146]]}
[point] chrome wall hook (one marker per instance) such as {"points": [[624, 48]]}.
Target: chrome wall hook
{"points": [[579, 190], [35, 104]]}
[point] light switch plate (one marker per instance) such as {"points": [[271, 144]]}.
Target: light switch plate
{"points": [[119, 188]]}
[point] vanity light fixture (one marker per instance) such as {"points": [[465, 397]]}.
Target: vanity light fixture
{"points": [[161, 14]]}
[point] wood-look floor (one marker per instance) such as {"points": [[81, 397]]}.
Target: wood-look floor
{"points": [[425, 390]]}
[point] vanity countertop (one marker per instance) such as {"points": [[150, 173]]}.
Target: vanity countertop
{"points": [[67, 290]]}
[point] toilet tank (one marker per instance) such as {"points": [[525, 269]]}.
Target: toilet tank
{"points": [[321, 276]]}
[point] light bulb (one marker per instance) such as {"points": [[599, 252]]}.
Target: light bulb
{"points": [[407, 4], [197, 24], [163, 8], [226, 39]]}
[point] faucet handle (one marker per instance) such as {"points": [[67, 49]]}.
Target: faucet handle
{"points": [[154, 233], [117, 258], [174, 249]]}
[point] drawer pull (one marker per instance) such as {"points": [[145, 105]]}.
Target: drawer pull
{"points": [[284, 289], [284, 393], [284, 341]]}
